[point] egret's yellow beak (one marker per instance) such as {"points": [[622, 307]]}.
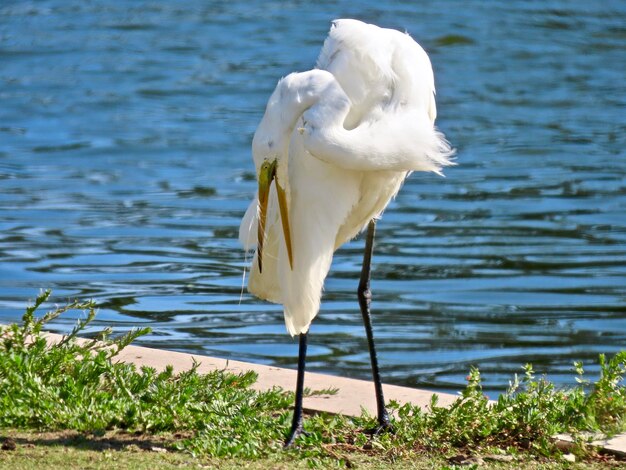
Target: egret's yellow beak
{"points": [[267, 174]]}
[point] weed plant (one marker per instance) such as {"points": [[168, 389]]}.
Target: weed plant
{"points": [[80, 385]]}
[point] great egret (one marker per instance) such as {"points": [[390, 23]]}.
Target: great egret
{"points": [[333, 148]]}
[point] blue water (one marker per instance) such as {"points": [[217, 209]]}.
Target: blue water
{"points": [[125, 168]]}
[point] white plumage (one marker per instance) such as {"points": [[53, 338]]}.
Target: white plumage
{"points": [[341, 138]]}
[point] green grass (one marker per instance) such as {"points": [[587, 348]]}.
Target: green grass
{"points": [[79, 387], [70, 450]]}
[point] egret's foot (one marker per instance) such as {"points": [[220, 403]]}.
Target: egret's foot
{"points": [[294, 434], [384, 425], [380, 429]]}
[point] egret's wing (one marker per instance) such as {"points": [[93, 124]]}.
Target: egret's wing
{"points": [[399, 142], [388, 80], [357, 54]]}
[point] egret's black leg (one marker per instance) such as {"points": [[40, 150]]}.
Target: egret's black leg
{"points": [[365, 297], [296, 424]]}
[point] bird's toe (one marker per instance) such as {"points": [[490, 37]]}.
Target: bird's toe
{"points": [[293, 435], [381, 428]]}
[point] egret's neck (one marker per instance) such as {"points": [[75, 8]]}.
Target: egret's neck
{"points": [[315, 90]]}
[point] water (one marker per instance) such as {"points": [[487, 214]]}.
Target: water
{"points": [[125, 167]]}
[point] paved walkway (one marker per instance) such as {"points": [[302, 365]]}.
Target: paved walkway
{"points": [[351, 396]]}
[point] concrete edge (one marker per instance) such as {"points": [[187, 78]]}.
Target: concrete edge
{"points": [[615, 445], [352, 397]]}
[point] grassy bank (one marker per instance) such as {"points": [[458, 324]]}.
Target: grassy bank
{"points": [[118, 450], [94, 411]]}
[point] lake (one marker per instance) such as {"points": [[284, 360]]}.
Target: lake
{"points": [[125, 167]]}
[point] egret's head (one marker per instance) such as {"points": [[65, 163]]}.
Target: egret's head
{"points": [[268, 172], [294, 94]]}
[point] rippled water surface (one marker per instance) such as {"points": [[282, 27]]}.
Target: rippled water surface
{"points": [[125, 167]]}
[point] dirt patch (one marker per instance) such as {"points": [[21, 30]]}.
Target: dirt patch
{"points": [[110, 440]]}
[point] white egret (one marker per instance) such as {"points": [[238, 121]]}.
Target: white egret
{"points": [[333, 148]]}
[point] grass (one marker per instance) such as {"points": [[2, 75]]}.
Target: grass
{"points": [[72, 402], [53, 450]]}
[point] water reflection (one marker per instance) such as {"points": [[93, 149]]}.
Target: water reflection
{"points": [[125, 168]]}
